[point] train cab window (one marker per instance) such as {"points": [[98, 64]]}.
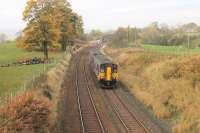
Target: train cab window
{"points": [[102, 69], [115, 68]]}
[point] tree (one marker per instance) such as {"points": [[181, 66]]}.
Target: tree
{"points": [[78, 25], [40, 32], [151, 34], [95, 34], [120, 38], [48, 25], [70, 25], [190, 27], [62, 13], [157, 34]]}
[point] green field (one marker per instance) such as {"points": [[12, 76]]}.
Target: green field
{"points": [[9, 53], [13, 78], [171, 49]]}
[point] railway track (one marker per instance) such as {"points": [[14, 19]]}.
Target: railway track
{"points": [[85, 105], [126, 117], [90, 120]]}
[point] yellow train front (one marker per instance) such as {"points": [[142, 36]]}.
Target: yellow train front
{"points": [[108, 75], [106, 72]]}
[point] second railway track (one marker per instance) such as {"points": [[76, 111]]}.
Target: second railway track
{"points": [[126, 117], [90, 120]]}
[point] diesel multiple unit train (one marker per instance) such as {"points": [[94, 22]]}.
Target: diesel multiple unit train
{"points": [[106, 72]]}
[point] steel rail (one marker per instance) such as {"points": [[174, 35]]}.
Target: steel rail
{"points": [[124, 121], [77, 93], [93, 103], [83, 122], [131, 113]]}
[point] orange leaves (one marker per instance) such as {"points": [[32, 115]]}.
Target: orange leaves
{"points": [[27, 112], [27, 11], [51, 22]]}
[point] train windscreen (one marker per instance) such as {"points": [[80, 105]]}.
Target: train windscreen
{"points": [[104, 66]]}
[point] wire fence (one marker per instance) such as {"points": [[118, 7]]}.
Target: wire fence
{"points": [[8, 97], [34, 82]]}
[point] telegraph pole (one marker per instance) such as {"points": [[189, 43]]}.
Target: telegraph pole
{"points": [[128, 35], [135, 35], [188, 39]]}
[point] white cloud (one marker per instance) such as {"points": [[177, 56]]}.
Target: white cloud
{"points": [[11, 16], [109, 14]]}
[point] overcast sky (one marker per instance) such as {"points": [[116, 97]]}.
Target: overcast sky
{"points": [[110, 14]]}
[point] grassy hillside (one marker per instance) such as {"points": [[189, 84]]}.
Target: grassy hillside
{"points": [[170, 49], [167, 83], [13, 78]]}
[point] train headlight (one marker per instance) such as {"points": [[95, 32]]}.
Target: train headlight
{"points": [[115, 76], [102, 75], [102, 71]]}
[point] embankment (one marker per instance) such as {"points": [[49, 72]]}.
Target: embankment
{"points": [[169, 84]]}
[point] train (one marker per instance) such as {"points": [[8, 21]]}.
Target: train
{"points": [[106, 72]]}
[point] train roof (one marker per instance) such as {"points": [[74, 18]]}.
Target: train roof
{"points": [[97, 55]]}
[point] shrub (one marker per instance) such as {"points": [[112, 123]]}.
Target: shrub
{"points": [[27, 113]]}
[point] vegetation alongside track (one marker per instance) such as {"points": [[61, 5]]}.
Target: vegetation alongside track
{"points": [[40, 100], [167, 82]]}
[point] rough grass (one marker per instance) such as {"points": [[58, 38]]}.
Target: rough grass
{"points": [[13, 78], [171, 49], [167, 83]]}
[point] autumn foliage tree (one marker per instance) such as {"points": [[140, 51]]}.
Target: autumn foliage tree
{"points": [[50, 25]]}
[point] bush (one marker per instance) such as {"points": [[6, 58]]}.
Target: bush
{"points": [[27, 113], [187, 68]]}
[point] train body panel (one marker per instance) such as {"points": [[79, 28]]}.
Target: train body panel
{"points": [[106, 72]]}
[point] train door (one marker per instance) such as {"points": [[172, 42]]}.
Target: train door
{"points": [[108, 73]]}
